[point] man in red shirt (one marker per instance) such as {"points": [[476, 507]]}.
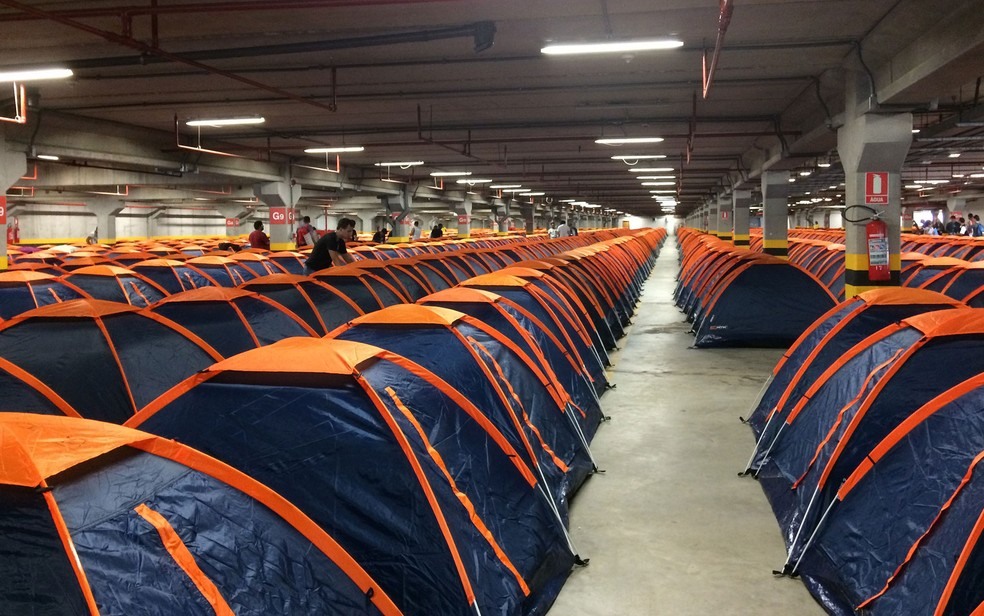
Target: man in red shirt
{"points": [[259, 239]]}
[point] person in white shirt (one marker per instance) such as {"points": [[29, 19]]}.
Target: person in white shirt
{"points": [[415, 231], [563, 230]]}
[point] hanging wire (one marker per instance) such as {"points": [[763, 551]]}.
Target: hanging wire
{"points": [[873, 214]]}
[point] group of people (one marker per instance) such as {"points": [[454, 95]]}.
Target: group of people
{"points": [[955, 226], [328, 250], [564, 229]]}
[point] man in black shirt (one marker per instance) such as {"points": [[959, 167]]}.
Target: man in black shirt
{"points": [[330, 249]]}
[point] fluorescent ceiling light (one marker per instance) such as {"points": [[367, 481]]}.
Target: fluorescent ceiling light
{"points": [[610, 47], [954, 155], [628, 140], [823, 165], [505, 186], [659, 183], [36, 74], [977, 175], [471, 181], [655, 177], [805, 172], [513, 190], [639, 157], [568, 201], [663, 192], [226, 121], [449, 174], [403, 164], [650, 169], [47, 157], [791, 180], [338, 150], [531, 194], [914, 186], [915, 130], [933, 181]]}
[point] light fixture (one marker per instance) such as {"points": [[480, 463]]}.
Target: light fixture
{"points": [[954, 155], [518, 189], [449, 174], [219, 122], [338, 150], [531, 194], [650, 169], [791, 180], [37, 74], [610, 47], [655, 177], [659, 183], [47, 157], [662, 191], [639, 157], [915, 130], [402, 164], [505, 186], [805, 172], [568, 201], [628, 140], [471, 181]]}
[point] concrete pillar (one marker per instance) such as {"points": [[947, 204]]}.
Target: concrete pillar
{"points": [[400, 208], [235, 216], [104, 231], [741, 202], [527, 210], [872, 148], [464, 210], [955, 204], [723, 221], [502, 211], [712, 217], [775, 197], [13, 165], [280, 197]]}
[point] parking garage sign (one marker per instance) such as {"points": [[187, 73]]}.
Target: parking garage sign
{"points": [[3, 210], [876, 188]]}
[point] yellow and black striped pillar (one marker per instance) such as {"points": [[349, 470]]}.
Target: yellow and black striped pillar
{"points": [[775, 206], [742, 203]]}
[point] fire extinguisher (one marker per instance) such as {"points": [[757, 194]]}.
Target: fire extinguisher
{"points": [[13, 232], [876, 236]]}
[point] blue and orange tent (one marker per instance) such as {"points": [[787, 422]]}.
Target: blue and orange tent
{"points": [[232, 320], [21, 291], [106, 360], [499, 377], [101, 519], [173, 276], [903, 533], [116, 284], [832, 335], [403, 471], [364, 287], [319, 305]]}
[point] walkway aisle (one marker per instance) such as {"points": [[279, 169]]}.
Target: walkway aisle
{"points": [[670, 529]]}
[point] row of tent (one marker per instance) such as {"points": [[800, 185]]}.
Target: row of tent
{"points": [[420, 459], [869, 437], [742, 297], [821, 252]]}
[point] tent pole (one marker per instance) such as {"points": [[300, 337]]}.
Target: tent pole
{"points": [[813, 536], [758, 443], [769, 450]]}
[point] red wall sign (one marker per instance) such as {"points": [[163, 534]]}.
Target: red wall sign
{"points": [[278, 216], [724, 214], [3, 210], [232, 222], [876, 188], [463, 219]]}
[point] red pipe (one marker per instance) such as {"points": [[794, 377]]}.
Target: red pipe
{"points": [[724, 20]]}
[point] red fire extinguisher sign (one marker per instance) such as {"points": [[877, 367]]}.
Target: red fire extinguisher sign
{"points": [[876, 235]]}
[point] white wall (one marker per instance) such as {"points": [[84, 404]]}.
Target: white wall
{"points": [[57, 222]]}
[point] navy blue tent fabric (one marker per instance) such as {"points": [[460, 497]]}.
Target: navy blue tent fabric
{"points": [[21, 396], [322, 307], [862, 320], [787, 450], [58, 348], [441, 352], [20, 292], [240, 322], [173, 276], [766, 304], [115, 284], [530, 337], [369, 292], [359, 465], [866, 537], [110, 503], [225, 272], [965, 283], [559, 326]]}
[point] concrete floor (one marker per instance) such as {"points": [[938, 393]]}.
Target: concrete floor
{"points": [[670, 528]]}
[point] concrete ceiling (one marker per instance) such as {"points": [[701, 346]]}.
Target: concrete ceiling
{"points": [[419, 80]]}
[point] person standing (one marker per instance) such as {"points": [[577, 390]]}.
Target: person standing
{"points": [[952, 227], [330, 249], [563, 229], [379, 236], [415, 231], [259, 239], [306, 236], [437, 231]]}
